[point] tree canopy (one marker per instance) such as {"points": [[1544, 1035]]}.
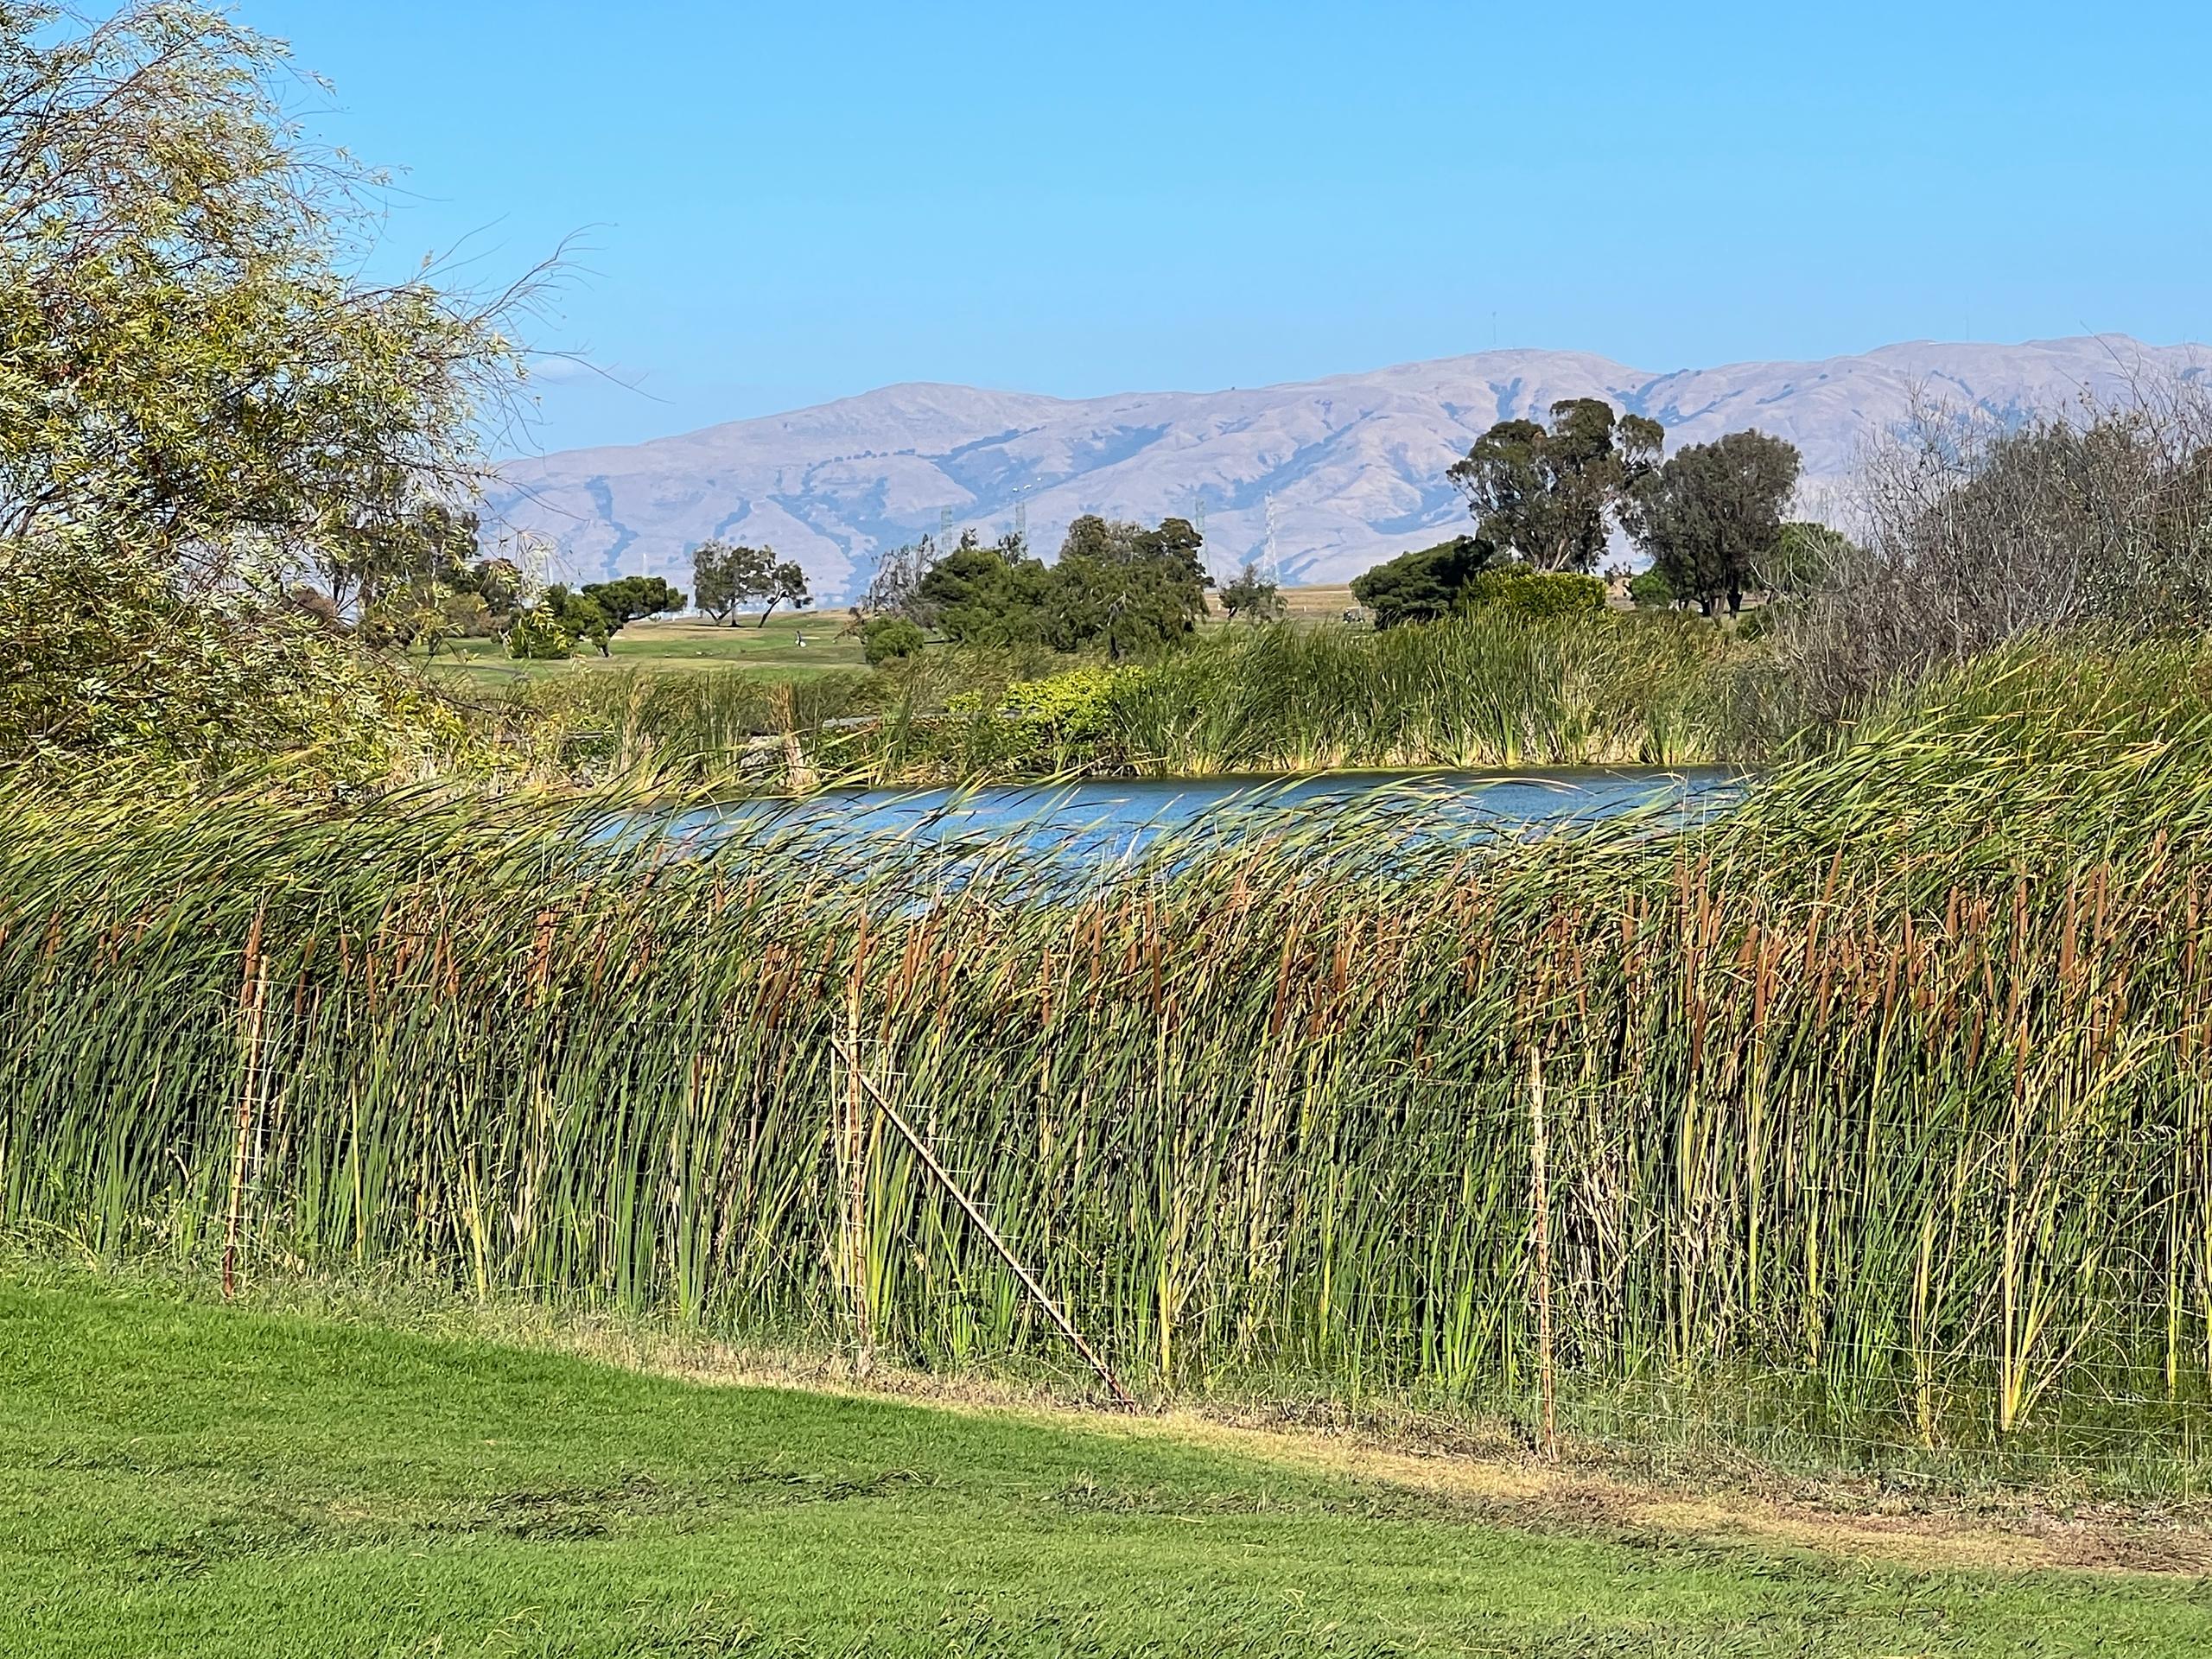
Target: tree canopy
{"points": [[192, 369], [980, 595], [1549, 495], [727, 577], [628, 598], [1249, 594], [1426, 583], [1713, 514], [1130, 588], [204, 401]]}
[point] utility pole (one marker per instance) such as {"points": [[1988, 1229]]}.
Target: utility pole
{"points": [[1021, 509]]}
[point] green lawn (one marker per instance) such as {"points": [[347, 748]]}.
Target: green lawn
{"points": [[775, 650], [178, 1477]]}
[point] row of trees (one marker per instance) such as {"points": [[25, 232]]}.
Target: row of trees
{"points": [[1119, 585], [481, 597], [1549, 499], [728, 577]]}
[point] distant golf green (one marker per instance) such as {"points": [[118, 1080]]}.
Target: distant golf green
{"points": [[795, 645], [177, 1478]]}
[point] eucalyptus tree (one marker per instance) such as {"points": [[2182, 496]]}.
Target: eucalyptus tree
{"points": [[1714, 513], [1549, 495]]}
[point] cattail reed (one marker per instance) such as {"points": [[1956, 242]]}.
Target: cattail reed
{"points": [[1877, 1116]]}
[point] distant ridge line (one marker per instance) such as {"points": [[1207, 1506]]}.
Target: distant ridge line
{"points": [[1355, 461]]}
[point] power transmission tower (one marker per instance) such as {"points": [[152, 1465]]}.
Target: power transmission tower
{"points": [[1274, 571], [944, 529]]}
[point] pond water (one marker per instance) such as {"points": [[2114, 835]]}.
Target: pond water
{"points": [[1103, 819]]}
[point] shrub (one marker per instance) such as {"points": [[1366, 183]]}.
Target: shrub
{"points": [[885, 638], [1538, 593], [1065, 722], [105, 660], [1652, 590], [1975, 530], [1421, 586]]}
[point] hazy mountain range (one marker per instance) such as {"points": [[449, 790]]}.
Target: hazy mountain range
{"points": [[1351, 470]]}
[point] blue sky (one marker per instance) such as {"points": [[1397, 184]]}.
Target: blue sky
{"points": [[777, 205]]}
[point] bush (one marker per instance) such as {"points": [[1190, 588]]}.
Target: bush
{"points": [[1423, 585], [103, 660], [1539, 593], [538, 637], [1974, 531], [1065, 722], [886, 639], [1652, 590]]}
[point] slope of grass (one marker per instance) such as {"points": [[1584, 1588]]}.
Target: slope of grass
{"points": [[183, 1478]]}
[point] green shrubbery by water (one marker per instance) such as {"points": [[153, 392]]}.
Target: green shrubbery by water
{"points": [[1496, 687], [1879, 1118]]}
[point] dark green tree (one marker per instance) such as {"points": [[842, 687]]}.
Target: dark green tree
{"points": [[985, 596], [1714, 513], [726, 577], [1133, 590], [785, 583], [1426, 583], [628, 598], [578, 616], [714, 579], [887, 638], [1548, 495]]}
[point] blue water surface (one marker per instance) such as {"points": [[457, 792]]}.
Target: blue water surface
{"points": [[1106, 821]]}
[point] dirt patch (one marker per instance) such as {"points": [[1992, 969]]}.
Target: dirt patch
{"points": [[1481, 1476], [1491, 1479], [1524, 1491]]}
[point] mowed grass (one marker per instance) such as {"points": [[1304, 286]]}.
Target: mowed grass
{"points": [[773, 652], [180, 1478]]}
